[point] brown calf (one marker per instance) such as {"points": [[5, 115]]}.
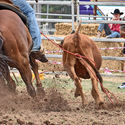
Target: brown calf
{"points": [[86, 68]]}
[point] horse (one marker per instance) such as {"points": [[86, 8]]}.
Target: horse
{"points": [[16, 44]]}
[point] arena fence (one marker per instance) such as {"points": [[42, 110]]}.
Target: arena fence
{"points": [[71, 4], [37, 7]]}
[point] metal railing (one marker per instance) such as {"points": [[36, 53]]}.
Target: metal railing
{"points": [[103, 57], [40, 20], [103, 17], [51, 2], [117, 40], [101, 3]]}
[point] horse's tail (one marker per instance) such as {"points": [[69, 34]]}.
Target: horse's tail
{"points": [[1, 42], [2, 56], [4, 60], [4, 69]]}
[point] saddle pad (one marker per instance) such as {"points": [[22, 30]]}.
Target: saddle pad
{"points": [[4, 6]]}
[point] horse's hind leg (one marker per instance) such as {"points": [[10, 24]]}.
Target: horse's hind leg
{"points": [[26, 75], [6, 73], [34, 65]]}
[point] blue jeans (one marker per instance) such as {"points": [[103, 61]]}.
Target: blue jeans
{"points": [[32, 23], [108, 31]]}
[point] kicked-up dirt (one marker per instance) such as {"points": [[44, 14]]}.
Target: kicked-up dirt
{"points": [[58, 107]]}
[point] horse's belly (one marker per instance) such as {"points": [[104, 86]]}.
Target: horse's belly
{"points": [[81, 70]]}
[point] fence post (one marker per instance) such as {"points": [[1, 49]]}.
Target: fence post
{"points": [[47, 11], [95, 10], [73, 28], [37, 10], [78, 11]]}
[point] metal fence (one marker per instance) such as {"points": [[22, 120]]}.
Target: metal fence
{"points": [[103, 17], [48, 20], [71, 4]]}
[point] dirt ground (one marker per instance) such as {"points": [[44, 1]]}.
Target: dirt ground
{"points": [[59, 107]]}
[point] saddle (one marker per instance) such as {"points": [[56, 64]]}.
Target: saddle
{"points": [[10, 6]]}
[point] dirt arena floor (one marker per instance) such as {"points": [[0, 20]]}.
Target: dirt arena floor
{"points": [[59, 106]]}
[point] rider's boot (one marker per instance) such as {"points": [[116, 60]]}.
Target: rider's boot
{"points": [[39, 55]]}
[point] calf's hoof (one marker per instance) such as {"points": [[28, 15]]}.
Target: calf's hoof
{"points": [[101, 105], [84, 104], [76, 94]]}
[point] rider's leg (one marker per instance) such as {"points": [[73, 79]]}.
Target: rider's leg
{"points": [[33, 28], [104, 27], [114, 34]]}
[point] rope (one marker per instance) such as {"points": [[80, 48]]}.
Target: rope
{"points": [[75, 54], [105, 90]]}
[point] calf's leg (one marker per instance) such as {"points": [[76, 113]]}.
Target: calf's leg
{"points": [[95, 91], [72, 74], [69, 67]]}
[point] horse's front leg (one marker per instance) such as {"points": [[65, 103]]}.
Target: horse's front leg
{"points": [[34, 65]]}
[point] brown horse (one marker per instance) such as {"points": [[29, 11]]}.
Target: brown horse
{"points": [[16, 43]]}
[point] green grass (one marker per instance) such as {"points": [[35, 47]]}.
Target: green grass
{"points": [[68, 84]]}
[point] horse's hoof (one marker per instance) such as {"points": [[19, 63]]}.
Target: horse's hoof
{"points": [[31, 91]]}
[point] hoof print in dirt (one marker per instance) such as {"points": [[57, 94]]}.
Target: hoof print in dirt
{"points": [[20, 122], [3, 122], [40, 92], [48, 123], [30, 123]]}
